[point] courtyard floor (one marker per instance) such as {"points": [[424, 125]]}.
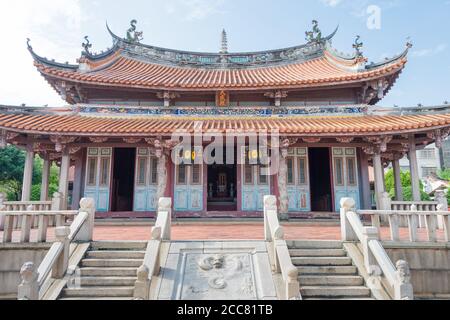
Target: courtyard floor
{"points": [[223, 231]]}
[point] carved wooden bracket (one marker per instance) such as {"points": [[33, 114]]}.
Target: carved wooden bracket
{"points": [[439, 136], [345, 139], [98, 139], [380, 142], [61, 142], [312, 140], [132, 140]]}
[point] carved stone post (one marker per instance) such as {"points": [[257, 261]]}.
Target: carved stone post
{"points": [[370, 234], [441, 199], [270, 203], [28, 173], [29, 287], [403, 287], [62, 263], [282, 181], [86, 233], [347, 233], [397, 180], [165, 205], [142, 285], [64, 178], [45, 178], [415, 179]]}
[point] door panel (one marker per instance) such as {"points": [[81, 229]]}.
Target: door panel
{"points": [[145, 182], [345, 171], [254, 188], [298, 180], [189, 188], [98, 177]]}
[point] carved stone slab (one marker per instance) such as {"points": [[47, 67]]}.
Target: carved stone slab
{"points": [[216, 271]]}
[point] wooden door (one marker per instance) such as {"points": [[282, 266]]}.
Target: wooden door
{"points": [[146, 181], [298, 180], [98, 177], [188, 188], [255, 186], [345, 169]]}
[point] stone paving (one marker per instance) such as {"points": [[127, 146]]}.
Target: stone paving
{"points": [[224, 231]]}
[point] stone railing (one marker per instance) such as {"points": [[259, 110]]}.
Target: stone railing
{"points": [[56, 262], [280, 258], [396, 279], [413, 216], [152, 263], [16, 206], [421, 206]]}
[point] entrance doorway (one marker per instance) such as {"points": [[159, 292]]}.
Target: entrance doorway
{"points": [[320, 173], [123, 180], [222, 187]]}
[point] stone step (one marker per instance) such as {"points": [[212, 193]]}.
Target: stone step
{"points": [[112, 263], [332, 291], [351, 281], [317, 253], [108, 281], [315, 244], [108, 272], [119, 245], [99, 292], [328, 270], [97, 298], [322, 261], [110, 254]]}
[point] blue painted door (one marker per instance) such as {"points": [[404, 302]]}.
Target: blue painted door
{"points": [[188, 188], [146, 181], [98, 177], [345, 169], [255, 186], [298, 180]]}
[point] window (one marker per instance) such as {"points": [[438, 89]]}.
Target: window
{"points": [[248, 174], [339, 171], [263, 178], [154, 171], [302, 175], [104, 172], [427, 154], [290, 170], [351, 171], [428, 171], [142, 171], [92, 171], [196, 174], [181, 176]]}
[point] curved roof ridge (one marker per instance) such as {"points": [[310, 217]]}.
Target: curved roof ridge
{"points": [[404, 54], [50, 63]]}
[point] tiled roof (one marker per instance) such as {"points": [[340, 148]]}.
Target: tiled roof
{"points": [[127, 72], [144, 126]]}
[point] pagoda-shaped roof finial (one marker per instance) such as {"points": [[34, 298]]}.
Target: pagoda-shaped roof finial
{"points": [[224, 48]]}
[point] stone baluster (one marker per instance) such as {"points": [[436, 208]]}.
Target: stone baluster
{"points": [[26, 226], [29, 287], [62, 263], [56, 206], [412, 224], [441, 199], [142, 284], [431, 226], [347, 232], [370, 234]]}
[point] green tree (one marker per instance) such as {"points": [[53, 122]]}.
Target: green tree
{"points": [[405, 177], [444, 175], [12, 162]]}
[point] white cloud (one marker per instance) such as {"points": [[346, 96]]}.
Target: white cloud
{"points": [[21, 19], [331, 3], [428, 52], [196, 9]]}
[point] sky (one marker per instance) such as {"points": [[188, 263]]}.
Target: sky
{"points": [[57, 28]]}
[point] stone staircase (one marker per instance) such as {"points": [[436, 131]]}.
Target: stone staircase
{"points": [[108, 272], [326, 272]]}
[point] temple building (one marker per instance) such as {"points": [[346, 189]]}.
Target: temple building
{"points": [[125, 104]]}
